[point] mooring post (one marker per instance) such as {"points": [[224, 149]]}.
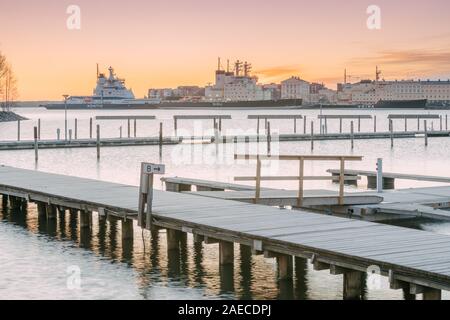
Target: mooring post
{"points": [[257, 128], [120, 132], [58, 134], [41, 209], [98, 142], [295, 125], [18, 130], [129, 128], [127, 229], [70, 135], [374, 123], [85, 219], [36, 156], [359, 124], [446, 122], [425, 132], [304, 125], [39, 129], [284, 266], [269, 138], [175, 126], [226, 253], [391, 130], [312, 135], [173, 239], [418, 123], [353, 283], [160, 138], [379, 175], [76, 129], [352, 134], [220, 125], [440, 122], [90, 128], [340, 125], [51, 211], [406, 124], [135, 127]]}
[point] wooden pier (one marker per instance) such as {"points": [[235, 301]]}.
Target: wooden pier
{"points": [[415, 261]]}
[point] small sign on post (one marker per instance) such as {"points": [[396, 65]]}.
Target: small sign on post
{"points": [[148, 170]]}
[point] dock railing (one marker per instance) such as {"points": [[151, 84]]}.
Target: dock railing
{"points": [[301, 174]]}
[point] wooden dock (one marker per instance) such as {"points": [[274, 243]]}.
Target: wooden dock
{"points": [[416, 261]]}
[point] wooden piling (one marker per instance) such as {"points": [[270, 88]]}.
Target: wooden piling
{"points": [[135, 127], [41, 209], [129, 128], [446, 122], [90, 128], [269, 138], [304, 125], [352, 143], [51, 211], [175, 126], [36, 155], [425, 132], [85, 219], [76, 129], [312, 135], [98, 141], [160, 137], [432, 294], [226, 253], [173, 239], [352, 288], [39, 129], [406, 124], [58, 134], [359, 124], [374, 123], [70, 135], [295, 125], [391, 131], [18, 130], [340, 125], [127, 229], [440, 122], [284, 266]]}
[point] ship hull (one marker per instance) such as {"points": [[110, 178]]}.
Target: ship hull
{"points": [[181, 105]]}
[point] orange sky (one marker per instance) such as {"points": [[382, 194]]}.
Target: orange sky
{"points": [[153, 43]]}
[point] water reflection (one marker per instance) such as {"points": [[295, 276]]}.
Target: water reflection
{"points": [[192, 265]]}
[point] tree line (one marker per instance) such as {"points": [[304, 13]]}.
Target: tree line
{"points": [[8, 84]]}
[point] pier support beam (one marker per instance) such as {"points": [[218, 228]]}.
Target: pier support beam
{"points": [[127, 229], [173, 239], [353, 285], [285, 266], [85, 219], [226, 253], [4, 201]]}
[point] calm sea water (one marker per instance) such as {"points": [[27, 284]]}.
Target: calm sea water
{"points": [[36, 258]]}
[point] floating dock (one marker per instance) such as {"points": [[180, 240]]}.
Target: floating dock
{"points": [[416, 261]]}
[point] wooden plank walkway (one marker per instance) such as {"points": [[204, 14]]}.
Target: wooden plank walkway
{"points": [[179, 184], [290, 197], [421, 259]]}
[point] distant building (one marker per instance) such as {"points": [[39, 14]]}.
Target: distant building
{"points": [[237, 85], [295, 88], [160, 93], [370, 92]]}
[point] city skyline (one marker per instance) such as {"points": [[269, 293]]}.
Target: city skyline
{"points": [[157, 44]]}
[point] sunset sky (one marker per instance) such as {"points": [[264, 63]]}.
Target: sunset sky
{"points": [[166, 43]]}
